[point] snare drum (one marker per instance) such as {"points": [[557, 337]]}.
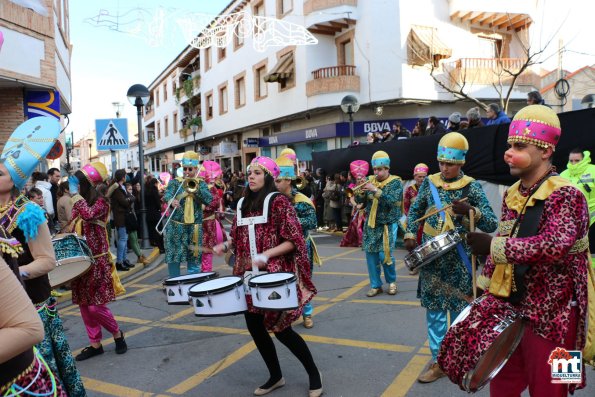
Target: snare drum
{"points": [[176, 288], [274, 291], [432, 249], [73, 259], [223, 296], [480, 341]]}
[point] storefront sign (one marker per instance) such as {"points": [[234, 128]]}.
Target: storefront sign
{"points": [[227, 148], [251, 142]]}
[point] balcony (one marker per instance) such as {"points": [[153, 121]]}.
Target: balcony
{"points": [[502, 15], [149, 112], [332, 20], [488, 71], [333, 79]]}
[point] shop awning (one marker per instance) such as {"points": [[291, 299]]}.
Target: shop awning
{"points": [[282, 70], [424, 46]]}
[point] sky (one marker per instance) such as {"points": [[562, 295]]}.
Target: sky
{"points": [[107, 58]]}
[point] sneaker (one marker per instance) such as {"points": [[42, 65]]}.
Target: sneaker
{"points": [[392, 289], [56, 294], [433, 373], [121, 267], [374, 292], [89, 352], [308, 322], [121, 346]]}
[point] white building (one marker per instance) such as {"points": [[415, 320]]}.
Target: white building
{"points": [[382, 52]]}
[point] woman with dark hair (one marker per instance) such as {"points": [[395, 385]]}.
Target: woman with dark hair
{"points": [[153, 205], [280, 247], [63, 206], [94, 289]]}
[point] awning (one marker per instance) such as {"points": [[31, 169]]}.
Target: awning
{"points": [[493, 20], [282, 70], [424, 46]]}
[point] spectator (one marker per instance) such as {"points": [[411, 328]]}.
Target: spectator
{"points": [[454, 122], [64, 205], [329, 218], [435, 126], [496, 115], [386, 136], [400, 132], [420, 128], [318, 198], [534, 98], [121, 204], [35, 195], [336, 203], [132, 222], [370, 137], [153, 204], [474, 118], [464, 125], [40, 181], [54, 178]]}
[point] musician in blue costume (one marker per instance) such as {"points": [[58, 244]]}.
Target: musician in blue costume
{"points": [[306, 213], [26, 221], [445, 283], [382, 197], [183, 234]]}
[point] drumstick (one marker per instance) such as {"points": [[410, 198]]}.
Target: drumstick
{"points": [[426, 216], [473, 257]]}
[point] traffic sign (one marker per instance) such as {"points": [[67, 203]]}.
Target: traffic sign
{"points": [[112, 134]]}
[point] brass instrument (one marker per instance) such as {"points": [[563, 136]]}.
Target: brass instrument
{"points": [[300, 183], [350, 192], [190, 185]]}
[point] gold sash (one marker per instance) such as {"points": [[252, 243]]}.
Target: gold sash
{"points": [[374, 210]]}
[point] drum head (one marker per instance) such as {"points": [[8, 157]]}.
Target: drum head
{"points": [[272, 279], [214, 286], [65, 273], [492, 361], [189, 278]]}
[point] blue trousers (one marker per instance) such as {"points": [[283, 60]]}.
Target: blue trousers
{"points": [[375, 261], [437, 321], [174, 268], [122, 244]]}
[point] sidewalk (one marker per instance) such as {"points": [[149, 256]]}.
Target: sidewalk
{"points": [[152, 255]]}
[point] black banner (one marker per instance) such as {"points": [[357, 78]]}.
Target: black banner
{"points": [[485, 159]]}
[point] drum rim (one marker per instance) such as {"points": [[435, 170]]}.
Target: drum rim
{"points": [[272, 284], [210, 276], [273, 309], [218, 315], [198, 294]]}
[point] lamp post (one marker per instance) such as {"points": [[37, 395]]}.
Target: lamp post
{"points": [[69, 143], [138, 95], [350, 105]]}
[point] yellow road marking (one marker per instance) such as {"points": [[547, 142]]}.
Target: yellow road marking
{"points": [[132, 320], [320, 298], [326, 258], [385, 302], [407, 376], [115, 390], [341, 274], [358, 343], [139, 285], [346, 294], [204, 328], [424, 350], [179, 314], [212, 370]]}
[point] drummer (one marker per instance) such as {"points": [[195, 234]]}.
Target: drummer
{"points": [[381, 196], [280, 247], [446, 282], [210, 171], [556, 257], [420, 172], [26, 221]]}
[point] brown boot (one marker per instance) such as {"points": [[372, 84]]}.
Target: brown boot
{"points": [[142, 259], [432, 374]]}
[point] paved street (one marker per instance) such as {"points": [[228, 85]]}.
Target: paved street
{"points": [[363, 346]]}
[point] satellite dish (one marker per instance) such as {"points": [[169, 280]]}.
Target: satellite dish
{"points": [[588, 101]]}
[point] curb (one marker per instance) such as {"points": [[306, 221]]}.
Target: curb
{"points": [[152, 257]]}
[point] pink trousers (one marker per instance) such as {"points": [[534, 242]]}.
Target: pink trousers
{"points": [[528, 366], [96, 316], [207, 258]]}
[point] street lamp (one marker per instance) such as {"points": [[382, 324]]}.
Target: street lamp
{"points": [[138, 95], [350, 105], [69, 143]]}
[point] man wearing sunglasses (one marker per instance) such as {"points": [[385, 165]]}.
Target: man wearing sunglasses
{"points": [[185, 227]]}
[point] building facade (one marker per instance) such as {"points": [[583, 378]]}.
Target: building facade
{"points": [[244, 102]]}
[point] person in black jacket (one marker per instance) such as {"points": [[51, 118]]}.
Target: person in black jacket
{"points": [[153, 206], [319, 201], [121, 204]]}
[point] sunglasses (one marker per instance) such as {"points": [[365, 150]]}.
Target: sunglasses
{"points": [[188, 168]]}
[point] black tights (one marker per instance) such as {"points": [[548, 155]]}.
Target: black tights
{"points": [[291, 339]]}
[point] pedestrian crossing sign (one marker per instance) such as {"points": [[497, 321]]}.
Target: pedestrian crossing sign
{"points": [[112, 134]]}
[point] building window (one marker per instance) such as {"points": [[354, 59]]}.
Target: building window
{"points": [[209, 103], [238, 35], [158, 129], [174, 87], [175, 122], [165, 126], [258, 11], [208, 60], [221, 52], [284, 7], [157, 97], [164, 92], [489, 47], [344, 44], [240, 90], [260, 86], [223, 100]]}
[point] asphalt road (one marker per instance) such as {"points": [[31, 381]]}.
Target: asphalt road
{"points": [[363, 346]]}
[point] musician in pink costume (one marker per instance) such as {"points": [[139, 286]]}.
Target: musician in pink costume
{"points": [[353, 237], [543, 275], [210, 171]]}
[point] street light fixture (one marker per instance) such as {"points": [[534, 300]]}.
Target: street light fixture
{"points": [[350, 105], [138, 95]]}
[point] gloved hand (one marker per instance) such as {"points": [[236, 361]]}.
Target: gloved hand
{"points": [[479, 242], [73, 185], [260, 261], [461, 207], [410, 244]]}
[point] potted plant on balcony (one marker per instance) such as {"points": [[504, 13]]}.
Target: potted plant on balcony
{"points": [[197, 121], [178, 93], [196, 81], [188, 87]]}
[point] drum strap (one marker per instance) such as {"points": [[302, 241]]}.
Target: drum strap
{"points": [[438, 204]]}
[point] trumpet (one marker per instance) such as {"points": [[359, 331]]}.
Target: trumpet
{"points": [[300, 183], [350, 192], [190, 185]]}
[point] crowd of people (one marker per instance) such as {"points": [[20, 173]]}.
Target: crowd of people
{"points": [[538, 264]]}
